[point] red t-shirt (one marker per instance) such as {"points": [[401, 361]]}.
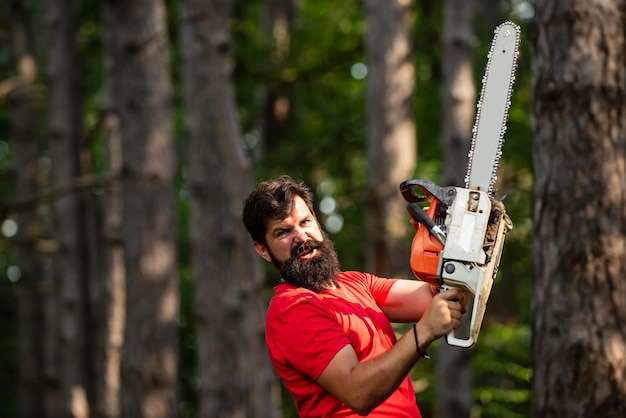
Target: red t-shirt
{"points": [[304, 331]]}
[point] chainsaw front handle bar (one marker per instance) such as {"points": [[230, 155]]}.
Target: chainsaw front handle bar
{"points": [[428, 189], [418, 214]]}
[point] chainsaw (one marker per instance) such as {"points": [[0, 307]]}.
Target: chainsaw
{"points": [[460, 231]]}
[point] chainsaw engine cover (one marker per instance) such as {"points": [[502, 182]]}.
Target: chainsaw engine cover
{"points": [[466, 224]]}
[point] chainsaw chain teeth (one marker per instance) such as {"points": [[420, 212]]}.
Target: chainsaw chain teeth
{"points": [[506, 109]]}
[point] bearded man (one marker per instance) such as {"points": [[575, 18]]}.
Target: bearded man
{"points": [[328, 332]]}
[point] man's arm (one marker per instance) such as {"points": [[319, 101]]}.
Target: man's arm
{"points": [[363, 386], [407, 300]]}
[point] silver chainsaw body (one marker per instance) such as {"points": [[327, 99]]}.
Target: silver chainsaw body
{"points": [[471, 254]]}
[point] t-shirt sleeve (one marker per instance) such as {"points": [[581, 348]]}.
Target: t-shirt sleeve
{"points": [[309, 338], [379, 287]]}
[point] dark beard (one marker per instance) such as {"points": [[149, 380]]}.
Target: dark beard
{"points": [[316, 274]]}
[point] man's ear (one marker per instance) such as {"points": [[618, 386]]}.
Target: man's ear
{"points": [[262, 251]]}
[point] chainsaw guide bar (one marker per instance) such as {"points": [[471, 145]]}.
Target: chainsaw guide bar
{"points": [[492, 109]]}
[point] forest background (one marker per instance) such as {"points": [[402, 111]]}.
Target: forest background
{"points": [[289, 82]]}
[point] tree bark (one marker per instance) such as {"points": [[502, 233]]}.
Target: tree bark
{"points": [[579, 252], [453, 366], [69, 263], [22, 100], [459, 93], [112, 286], [390, 133], [236, 376], [150, 352], [278, 22]]}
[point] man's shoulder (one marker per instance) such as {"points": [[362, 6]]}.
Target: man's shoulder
{"points": [[286, 297], [352, 275], [357, 278], [290, 292]]}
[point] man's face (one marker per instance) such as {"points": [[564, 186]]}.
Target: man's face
{"points": [[284, 235], [300, 250]]}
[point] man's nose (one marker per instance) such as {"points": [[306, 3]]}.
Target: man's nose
{"points": [[301, 235]]}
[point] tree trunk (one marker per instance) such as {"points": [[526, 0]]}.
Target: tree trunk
{"points": [[579, 229], [236, 377], [390, 133], [112, 286], [459, 104], [278, 22], [30, 321], [22, 100], [459, 93], [97, 301], [113, 297], [150, 353], [70, 268]]}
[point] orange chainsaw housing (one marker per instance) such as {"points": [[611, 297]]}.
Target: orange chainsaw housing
{"points": [[426, 249]]}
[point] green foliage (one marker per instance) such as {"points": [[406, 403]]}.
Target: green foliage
{"points": [[502, 372]]}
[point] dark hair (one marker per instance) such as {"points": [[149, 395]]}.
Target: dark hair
{"points": [[272, 200]]}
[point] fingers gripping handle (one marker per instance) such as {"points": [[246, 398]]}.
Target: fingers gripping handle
{"points": [[468, 342]]}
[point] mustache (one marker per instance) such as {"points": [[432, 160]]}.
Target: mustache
{"points": [[315, 274], [304, 247]]}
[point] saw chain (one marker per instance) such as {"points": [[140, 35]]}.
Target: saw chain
{"points": [[460, 233]]}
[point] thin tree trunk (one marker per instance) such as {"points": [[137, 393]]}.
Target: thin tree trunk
{"points": [[112, 285], [96, 297], [579, 213], [24, 109], [390, 133], [459, 93], [278, 22], [30, 320], [150, 354], [237, 379], [70, 261], [453, 365]]}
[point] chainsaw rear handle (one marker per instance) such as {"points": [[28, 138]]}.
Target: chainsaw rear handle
{"points": [[452, 339], [459, 342]]}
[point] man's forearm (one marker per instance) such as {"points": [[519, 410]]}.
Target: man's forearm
{"points": [[371, 382]]}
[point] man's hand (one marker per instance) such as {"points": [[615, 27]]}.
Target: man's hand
{"points": [[442, 316]]}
